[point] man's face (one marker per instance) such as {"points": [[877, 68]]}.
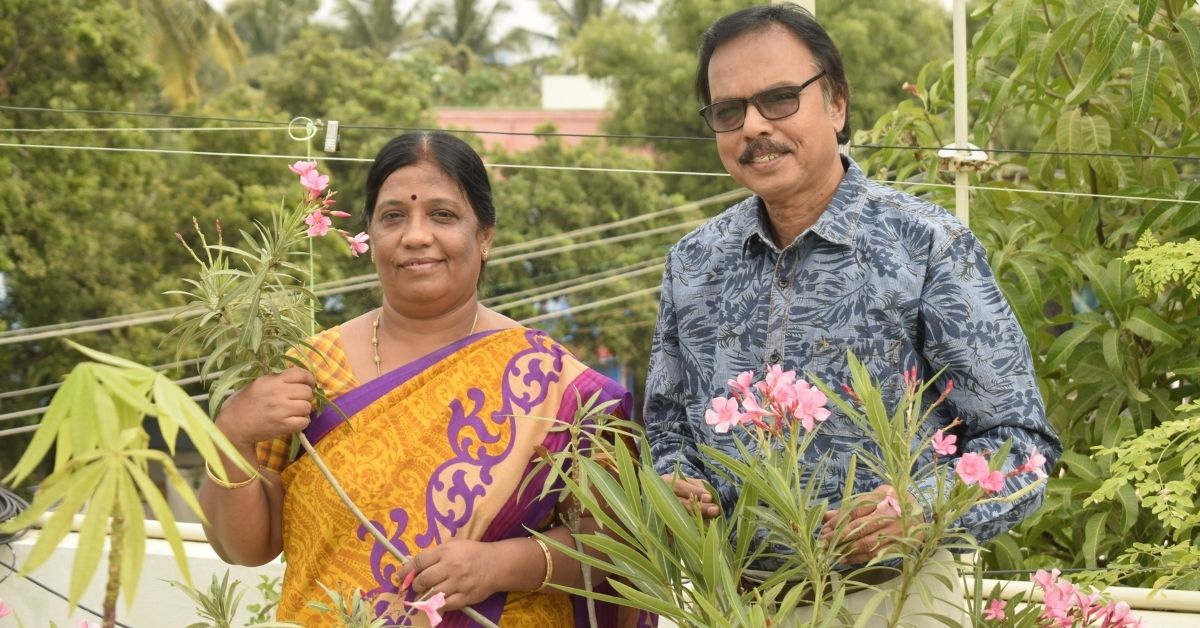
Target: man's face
{"points": [[791, 159]]}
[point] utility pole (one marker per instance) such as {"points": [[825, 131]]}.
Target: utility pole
{"points": [[961, 157]]}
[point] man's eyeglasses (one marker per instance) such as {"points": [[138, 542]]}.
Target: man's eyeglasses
{"points": [[773, 104]]}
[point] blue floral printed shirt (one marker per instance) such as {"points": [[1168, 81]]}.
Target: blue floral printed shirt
{"points": [[898, 281]]}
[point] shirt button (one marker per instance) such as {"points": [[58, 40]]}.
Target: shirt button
{"points": [[775, 357], [782, 282]]}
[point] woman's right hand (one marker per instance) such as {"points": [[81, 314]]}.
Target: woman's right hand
{"points": [[270, 407]]}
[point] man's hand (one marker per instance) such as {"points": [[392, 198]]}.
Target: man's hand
{"points": [[693, 495], [869, 524]]}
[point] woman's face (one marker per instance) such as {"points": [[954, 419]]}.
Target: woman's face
{"points": [[428, 243]]}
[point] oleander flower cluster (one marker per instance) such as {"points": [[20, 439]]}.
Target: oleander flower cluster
{"points": [[777, 401], [1064, 605], [320, 197]]}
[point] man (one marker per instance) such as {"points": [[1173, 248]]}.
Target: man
{"points": [[818, 262]]}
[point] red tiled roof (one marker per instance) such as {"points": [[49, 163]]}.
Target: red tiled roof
{"points": [[521, 121]]}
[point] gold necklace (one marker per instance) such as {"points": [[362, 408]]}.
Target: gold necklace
{"points": [[375, 338]]}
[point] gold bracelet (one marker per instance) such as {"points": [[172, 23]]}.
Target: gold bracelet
{"points": [[549, 565], [223, 484]]}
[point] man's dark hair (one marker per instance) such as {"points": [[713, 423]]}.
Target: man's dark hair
{"points": [[798, 22]]}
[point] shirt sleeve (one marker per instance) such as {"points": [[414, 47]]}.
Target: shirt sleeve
{"points": [[672, 443], [968, 328]]}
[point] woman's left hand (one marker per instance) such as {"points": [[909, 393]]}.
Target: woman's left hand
{"points": [[461, 569]]}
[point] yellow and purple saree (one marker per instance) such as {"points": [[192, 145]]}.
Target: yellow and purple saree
{"points": [[434, 450]]}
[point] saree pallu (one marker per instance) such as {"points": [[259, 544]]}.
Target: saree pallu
{"points": [[434, 450]]}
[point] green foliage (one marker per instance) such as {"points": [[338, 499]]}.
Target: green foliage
{"points": [[379, 26], [220, 603], [351, 610], [269, 589], [249, 305], [183, 34], [1108, 96], [464, 33], [1160, 266], [265, 26], [101, 459], [667, 560], [883, 44], [552, 232]]}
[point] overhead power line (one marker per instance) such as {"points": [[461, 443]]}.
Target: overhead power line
{"points": [[585, 307], [204, 153], [607, 136], [367, 280]]}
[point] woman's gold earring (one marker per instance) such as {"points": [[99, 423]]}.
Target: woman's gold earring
{"points": [[485, 254]]}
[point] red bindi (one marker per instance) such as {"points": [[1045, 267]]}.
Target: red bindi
{"points": [[414, 197]]}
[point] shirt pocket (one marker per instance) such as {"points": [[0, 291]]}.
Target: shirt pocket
{"points": [[883, 359]]}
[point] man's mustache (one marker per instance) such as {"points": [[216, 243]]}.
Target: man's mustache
{"points": [[762, 146]]}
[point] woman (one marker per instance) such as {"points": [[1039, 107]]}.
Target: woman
{"points": [[440, 396]]}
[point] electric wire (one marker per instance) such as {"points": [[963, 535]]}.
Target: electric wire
{"points": [[615, 136], [204, 153], [1028, 191], [13, 570], [527, 321], [11, 505], [356, 282], [144, 129], [499, 302]]}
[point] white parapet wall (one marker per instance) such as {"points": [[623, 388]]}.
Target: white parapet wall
{"points": [[157, 605]]}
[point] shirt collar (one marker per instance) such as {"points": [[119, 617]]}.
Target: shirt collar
{"points": [[837, 224]]}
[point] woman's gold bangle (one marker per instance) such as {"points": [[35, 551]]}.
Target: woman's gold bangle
{"points": [[549, 565], [223, 484]]}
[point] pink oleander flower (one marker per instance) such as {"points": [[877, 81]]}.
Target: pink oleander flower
{"points": [[303, 167], [412, 575], [753, 412], [83, 623], [315, 182], [776, 378], [995, 610], [910, 380], [889, 506], [1059, 600], [339, 214], [993, 482], [944, 445], [1045, 579], [740, 385], [972, 468], [5, 609], [430, 607], [318, 224], [1117, 615], [1035, 464], [809, 407], [723, 414], [358, 244]]}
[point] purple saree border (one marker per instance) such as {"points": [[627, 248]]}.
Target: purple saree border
{"points": [[359, 398]]}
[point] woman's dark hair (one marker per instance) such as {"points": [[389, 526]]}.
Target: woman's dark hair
{"points": [[798, 22], [450, 154]]}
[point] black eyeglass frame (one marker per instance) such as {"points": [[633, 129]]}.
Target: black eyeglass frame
{"points": [[756, 100]]}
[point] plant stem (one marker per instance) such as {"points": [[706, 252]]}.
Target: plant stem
{"points": [[573, 526], [358, 514], [113, 588]]}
